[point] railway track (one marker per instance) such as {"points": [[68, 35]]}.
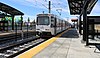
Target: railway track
{"points": [[13, 50], [11, 46]]}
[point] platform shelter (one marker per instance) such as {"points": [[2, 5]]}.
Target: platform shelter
{"points": [[8, 11]]}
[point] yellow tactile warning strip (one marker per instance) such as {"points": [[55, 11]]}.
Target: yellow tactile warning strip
{"points": [[30, 53]]}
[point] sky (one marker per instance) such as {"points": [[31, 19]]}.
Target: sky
{"points": [[31, 8]]}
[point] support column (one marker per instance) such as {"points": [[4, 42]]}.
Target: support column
{"points": [[21, 22], [74, 24], [12, 22], [85, 24], [77, 23], [80, 28]]}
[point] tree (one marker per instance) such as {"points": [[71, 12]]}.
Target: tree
{"points": [[28, 19]]}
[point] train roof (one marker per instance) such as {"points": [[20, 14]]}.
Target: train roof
{"points": [[53, 15], [46, 15]]}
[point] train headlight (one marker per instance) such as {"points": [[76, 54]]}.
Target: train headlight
{"points": [[46, 29], [37, 29]]}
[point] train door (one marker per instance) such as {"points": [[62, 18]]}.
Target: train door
{"points": [[53, 25], [62, 25]]}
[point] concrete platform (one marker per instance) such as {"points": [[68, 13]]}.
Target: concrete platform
{"points": [[67, 48], [67, 45]]}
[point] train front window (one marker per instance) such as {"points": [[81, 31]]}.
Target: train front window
{"points": [[43, 21]]}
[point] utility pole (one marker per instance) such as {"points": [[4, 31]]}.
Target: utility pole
{"points": [[49, 6]]}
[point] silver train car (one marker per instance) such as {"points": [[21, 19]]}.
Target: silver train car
{"points": [[48, 25]]}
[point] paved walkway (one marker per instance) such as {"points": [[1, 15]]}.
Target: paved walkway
{"points": [[68, 46]]}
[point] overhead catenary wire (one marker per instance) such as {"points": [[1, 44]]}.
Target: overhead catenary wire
{"points": [[42, 4], [54, 5]]}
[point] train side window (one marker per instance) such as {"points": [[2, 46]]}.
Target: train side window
{"points": [[52, 22], [52, 25]]}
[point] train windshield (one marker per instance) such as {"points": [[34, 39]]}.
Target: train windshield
{"points": [[43, 20]]}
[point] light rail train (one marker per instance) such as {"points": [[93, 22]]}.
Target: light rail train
{"points": [[50, 24]]}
